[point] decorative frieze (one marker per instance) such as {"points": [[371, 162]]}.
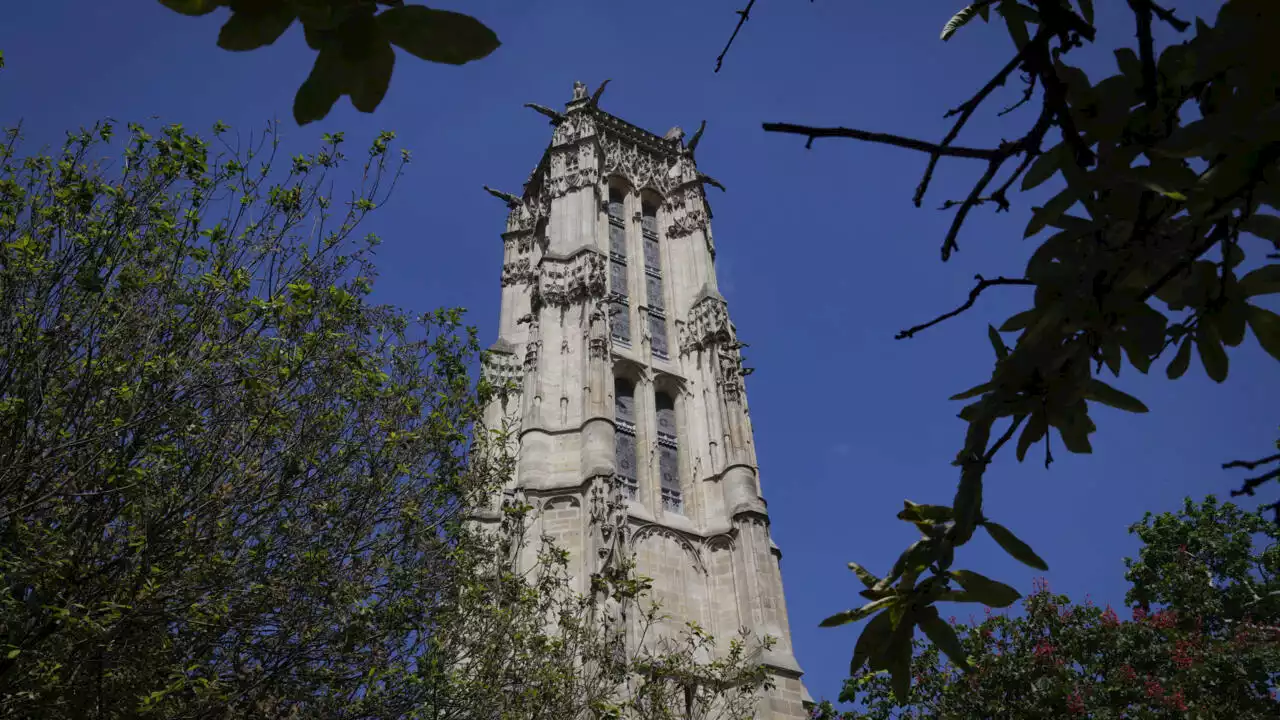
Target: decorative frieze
{"points": [[503, 370], [564, 281], [708, 324], [517, 272]]}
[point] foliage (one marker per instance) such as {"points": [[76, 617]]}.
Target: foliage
{"points": [[226, 478], [353, 40], [1171, 171], [1204, 639]]}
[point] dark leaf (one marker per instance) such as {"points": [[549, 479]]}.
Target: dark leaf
{"points": [[1263, 281], [1212, 356], [1019, 321], [372, 76], [972, 392], [1266, 327], [985, 590], [1035, 429], [322, 88], [1099, 391], [1074, 429], [942, 635], [438, 35], [997, 343], [848, 616], [1055, 207], [1181, 361], [255, 26], [1086, 10], [1111, 355], [193, 7], [871, 643], [1019, 550], [1015, 18], [1045, 166], [898, 656], [1230, 321]]}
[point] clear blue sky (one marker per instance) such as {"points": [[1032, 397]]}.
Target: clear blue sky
{"points": [[821, 254]]}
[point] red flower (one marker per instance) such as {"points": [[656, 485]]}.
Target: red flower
{"points": [[1139, 614], [1182, 654], [1153, 688], [1075, 702], [1044, 650], [1127, 672], [1177, 702], [1109, 618]]}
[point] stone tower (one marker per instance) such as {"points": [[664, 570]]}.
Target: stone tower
{"points": [[630, 411]]}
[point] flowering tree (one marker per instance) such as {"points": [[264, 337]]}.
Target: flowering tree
{"points": [[1201, 639]]}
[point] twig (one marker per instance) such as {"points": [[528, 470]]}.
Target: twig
{"points": [[1146, 49], [1026, 97], [1168, 17], [1251, 464], [1251, 484], [965, 110], [884, 138], [983, 284], [743, 15], [949, 244]]}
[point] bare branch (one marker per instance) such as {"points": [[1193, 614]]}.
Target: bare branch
{"points": [[743, 15], [1251, 464], [886, 139], [1168, 17], [983, 284]]}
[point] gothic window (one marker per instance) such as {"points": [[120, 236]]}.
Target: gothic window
{"points": [[668, 453], [658, 333], [653, 280], [624, 443], [620, 304]]}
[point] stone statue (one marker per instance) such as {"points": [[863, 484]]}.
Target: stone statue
{"points": [[512, 201], [579, 90], [676, 133]]}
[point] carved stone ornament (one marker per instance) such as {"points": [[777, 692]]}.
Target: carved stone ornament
{"points": [[576, 126], [708, 325], [517, 272], [564, 281], [502, 368]]}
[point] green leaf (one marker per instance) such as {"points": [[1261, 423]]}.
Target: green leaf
{"points": [[1045, 166], [864, 575], [958, 21], [1212, 356], [322, 88], [913, 512], [1035, 429], [854, 615], [871, 643], [1266, 327], [944, 636], [1181, 361], [1166, 179], [255, 26], [898, 656], [985, 590], [13, 653], [1019, 321], [438, 35], [997, 343], [193, 7], [1057, 205], [1019, 550], [1263, 281], [972, 392], [1099, 391]]}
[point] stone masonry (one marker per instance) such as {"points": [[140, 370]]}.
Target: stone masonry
{"points": [[629, 403]]}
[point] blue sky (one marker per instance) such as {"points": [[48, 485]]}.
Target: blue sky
{"points": [[820, 253]]}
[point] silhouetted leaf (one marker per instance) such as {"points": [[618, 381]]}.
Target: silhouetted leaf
{"points": [[871, 643], [193, 7], [985, 590], [322, 88], [1101, 392], [1045, 166], [997, 343], [972, 392], [1263, 281], [1035, 429], [1266, 327], [1016, 18], [1019, 550], [255, 25], [1181, 361], [372, 75], [864, 575], [1086, 10], [438, 35], [944, 636], [1019, 321], [848, 616], [1230, 320], [1266, 227], [1212, 356], [1055, 207], [913, 512]]}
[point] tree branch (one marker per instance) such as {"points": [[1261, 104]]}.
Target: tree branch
{"points": [[983, 284], [886, 139], [743, 16], [1251, 464]]}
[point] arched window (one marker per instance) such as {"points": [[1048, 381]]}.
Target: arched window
{"points": [[668, 453], [653, 279], [624, 437], [619, 302]]}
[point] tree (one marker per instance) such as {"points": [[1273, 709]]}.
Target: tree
{"points": [[1167, 169], [353, 40], [1203, 641], [227, 480]]}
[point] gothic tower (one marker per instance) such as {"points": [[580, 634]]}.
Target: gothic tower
{"points": [[631, 412]]}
